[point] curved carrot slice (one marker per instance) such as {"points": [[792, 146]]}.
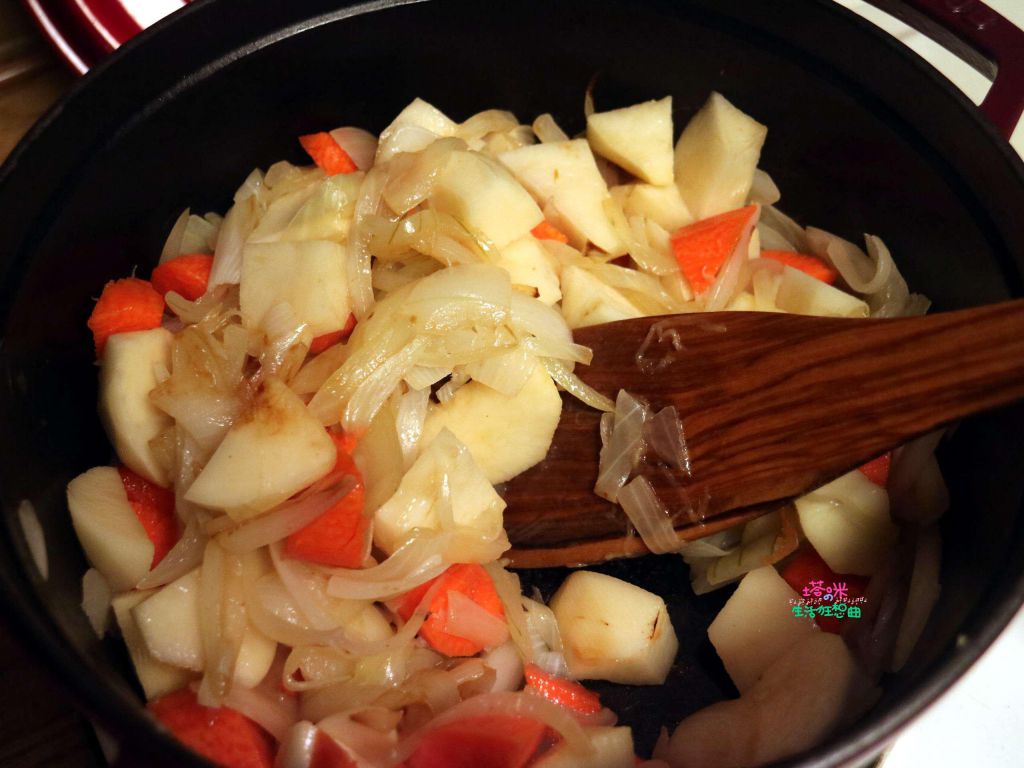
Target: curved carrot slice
{"points": [[154, 506], [877, 470], [338, 537], [327, 153], [221, 735], [567, 693], [811, 265], [702, 248], [471, 580], [188, 274], [125, 305], [548, 231]]}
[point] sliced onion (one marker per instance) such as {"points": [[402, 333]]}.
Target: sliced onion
{"points": [[625, 448], [238, 224], [184, 556], [507, 665], [172, 245], [358, 144], [307, 588], [377, 387], [922, 595], [649, 516], [727, 284], [360, 280], [409, 420], [763, 190], [276, 715], [285, 520], [468, 619], [509, 590], [786, 227], [575, 386], [664, 435], [419, 560], [908, 463]]}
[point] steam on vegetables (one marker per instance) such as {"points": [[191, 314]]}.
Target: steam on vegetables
{"points": [[315, 399]]}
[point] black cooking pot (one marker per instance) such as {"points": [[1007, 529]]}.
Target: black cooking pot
{"points": [[863, 136]]}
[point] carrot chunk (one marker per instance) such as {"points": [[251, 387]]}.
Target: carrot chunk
{"points": [[322, 342], [327, 753], [548, 231], [567, 693], [811, 265], [327, 153], [484, 741], [223, 736], [702, 248], [188, 274], [807, 569], [154, 506], [125, 305], [877, 470], [472, 581], [338, 537]]}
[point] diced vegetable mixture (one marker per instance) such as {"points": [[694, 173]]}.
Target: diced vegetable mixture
{"points": [[315, 399]]}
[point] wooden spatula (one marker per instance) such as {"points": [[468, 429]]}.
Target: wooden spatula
{"points": [[772, 405]]}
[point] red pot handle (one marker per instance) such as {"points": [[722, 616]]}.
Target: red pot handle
{"points": [[982, 37]]}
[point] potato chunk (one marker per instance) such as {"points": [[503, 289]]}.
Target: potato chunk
{"points": [[613, 630], [274, 450], [637, 138]]}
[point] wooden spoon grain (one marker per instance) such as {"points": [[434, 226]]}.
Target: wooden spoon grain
{"points": [[772, 405]]}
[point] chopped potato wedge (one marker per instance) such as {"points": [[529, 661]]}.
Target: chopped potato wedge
{"points": [[637, 138], [155, 677], [716, 156], [108, 529], [273, 450], [756, 626], [530, 266], [613, 630], [505, 435], [588, 301], [127, 377], [565, 174]]}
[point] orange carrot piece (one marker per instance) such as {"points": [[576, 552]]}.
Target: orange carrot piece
{"points": [[338, 537], [548, 231], [471, 580], [154, 506], [327, 153], [327, 753], [811, 265], [125, 305], [567, 693], [877, 470], [188, 274], [701, 248], [807, 568], [223, 736], [322, 342], [484, 741]]}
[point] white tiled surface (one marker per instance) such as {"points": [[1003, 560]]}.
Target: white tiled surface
{"points": [[979, 723]]}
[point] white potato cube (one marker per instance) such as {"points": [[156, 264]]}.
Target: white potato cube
{"points": [[565, 174], [613, 630], [612, 748], [475, 504], [309, 276], [108, 529], [155, 677], [716, 156], [127, 376], [588, 301], [847, 521], [530, 265], [485, 198], [756, 626], [272, 451], [505, 435], [638, 138]]}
